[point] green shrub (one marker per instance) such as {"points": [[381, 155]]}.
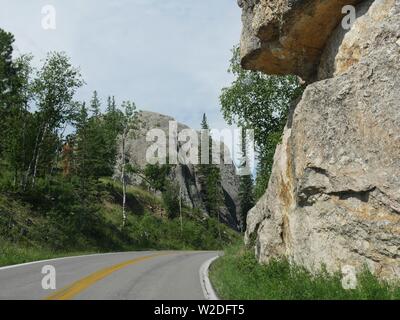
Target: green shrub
{"points": [[170, 198]]}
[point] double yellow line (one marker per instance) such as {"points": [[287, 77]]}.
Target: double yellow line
{"points": [[79, 286]]}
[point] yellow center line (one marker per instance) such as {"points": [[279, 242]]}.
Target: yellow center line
{"points": [[79, 286]]}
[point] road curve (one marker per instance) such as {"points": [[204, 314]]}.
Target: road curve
{"points": [[146, 275]]}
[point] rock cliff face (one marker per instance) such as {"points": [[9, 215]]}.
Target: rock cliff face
{"points": [[334, 194], [185, 175]]}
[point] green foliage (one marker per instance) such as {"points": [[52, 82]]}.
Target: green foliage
{"points": [[111, 129], [213, 190], [156, 175], [171, 199], [210, 177], [99, 140], [259, 102], [7, 69], [246, 197], [197, 234], [95, 105], [31, 140], [204, 123], [95, 140], [246, 185], [265, 162], [54, 87], [238, 275], [15, 121]]}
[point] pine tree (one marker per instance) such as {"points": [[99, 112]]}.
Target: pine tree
{"points": [[98, 146], [112, 127], [83, 156], [209, 176], [204, 123], [81, 148], [95, 105], [111, 105]]}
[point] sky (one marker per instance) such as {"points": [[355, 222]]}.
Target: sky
{"points": [[168, 56]]}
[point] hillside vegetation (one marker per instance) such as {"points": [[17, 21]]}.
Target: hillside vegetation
{"points": [[33, 228]]}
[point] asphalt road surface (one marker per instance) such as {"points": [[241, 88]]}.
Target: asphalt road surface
{"points": [[147, 275]]}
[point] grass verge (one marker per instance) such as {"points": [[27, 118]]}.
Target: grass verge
{"points": [[238, 275], [12, 254]]}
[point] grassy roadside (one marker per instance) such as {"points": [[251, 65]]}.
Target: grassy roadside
{"points": [[12, 254], [237, 275]]}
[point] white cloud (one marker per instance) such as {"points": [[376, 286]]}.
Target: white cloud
{"points": [[169, 56]]}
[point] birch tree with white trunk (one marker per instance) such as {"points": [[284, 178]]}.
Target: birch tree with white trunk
{"points": [[130, 125]]}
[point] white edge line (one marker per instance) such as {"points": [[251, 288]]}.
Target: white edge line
{"points": [[206, 285], [63, 258]]}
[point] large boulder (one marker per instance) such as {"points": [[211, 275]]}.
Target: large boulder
{"points": [[334, 194], [185, 175]]}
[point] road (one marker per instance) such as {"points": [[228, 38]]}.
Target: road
{"points": [[147, 275]]}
